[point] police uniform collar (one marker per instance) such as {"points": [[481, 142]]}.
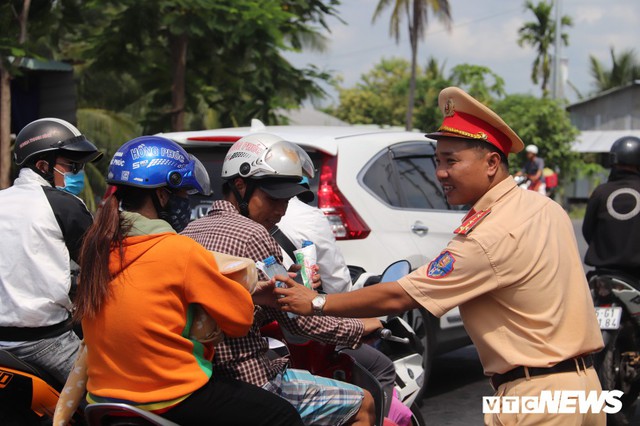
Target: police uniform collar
{"points": [[494, 194]]}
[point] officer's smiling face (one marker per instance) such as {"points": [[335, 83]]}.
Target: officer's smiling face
{"points": [[463, 171]]}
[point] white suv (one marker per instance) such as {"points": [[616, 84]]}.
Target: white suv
{"points": [[378, 190]]}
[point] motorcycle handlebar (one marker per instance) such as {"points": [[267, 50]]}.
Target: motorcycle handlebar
{"points": [[386, 334]]}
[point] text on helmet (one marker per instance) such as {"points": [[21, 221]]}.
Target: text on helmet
{"points": [[246, 146], [154, 151]]}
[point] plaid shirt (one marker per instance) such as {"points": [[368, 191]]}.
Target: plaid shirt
{"points": [[225, 230]]}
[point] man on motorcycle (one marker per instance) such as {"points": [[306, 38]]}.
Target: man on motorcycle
{"points": [[262, 172], [612, 220], [42, 222], [513, 268], [533, 169]]}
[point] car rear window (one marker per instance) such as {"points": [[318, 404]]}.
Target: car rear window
{"points": [[404, 176]]}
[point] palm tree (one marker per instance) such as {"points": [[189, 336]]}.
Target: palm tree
{"points": [[541, 35], [624, 70], [417, 13]]}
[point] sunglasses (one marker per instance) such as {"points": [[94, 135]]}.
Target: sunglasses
{"points": [[73, 166]]}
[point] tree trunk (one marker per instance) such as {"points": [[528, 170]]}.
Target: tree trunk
{"points": [[5, 103], [412, 91], [412, 80], [5, 128], [179, 68]]}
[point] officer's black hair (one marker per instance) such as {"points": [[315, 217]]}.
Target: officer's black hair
{"points": [[486, 146]]}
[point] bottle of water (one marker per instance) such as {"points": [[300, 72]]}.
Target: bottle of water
{"points": [[272, 268]]}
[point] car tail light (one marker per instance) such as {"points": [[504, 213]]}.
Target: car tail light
{"points": [[345, 221]]}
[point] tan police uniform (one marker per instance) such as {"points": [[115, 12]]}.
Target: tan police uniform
{"points": [[514, 270]]}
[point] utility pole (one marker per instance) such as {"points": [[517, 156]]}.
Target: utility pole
{"points": [[557, 89]]}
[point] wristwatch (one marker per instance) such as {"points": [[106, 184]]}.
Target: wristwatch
{"points": [[318, 303]]}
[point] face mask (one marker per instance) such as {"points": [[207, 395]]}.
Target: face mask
{"points": [[73, 183], [176, 212]]}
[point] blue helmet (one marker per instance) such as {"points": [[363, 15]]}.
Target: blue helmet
{"points": [[154, 161]]}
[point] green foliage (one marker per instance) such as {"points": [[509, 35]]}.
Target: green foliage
{"points": [[540, 34], [108, 130], [48, 23], [544, 123], [379, 96], [417, 15], [480, 82], [234, 68], [625, 68]]}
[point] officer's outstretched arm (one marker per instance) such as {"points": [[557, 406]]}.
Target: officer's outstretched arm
{"points": [[376, 300]]}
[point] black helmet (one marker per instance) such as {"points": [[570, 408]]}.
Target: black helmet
{"points": [[53, 134], [626, 150]]}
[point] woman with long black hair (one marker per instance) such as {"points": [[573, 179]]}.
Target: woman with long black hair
{"points": [[140, 286]]}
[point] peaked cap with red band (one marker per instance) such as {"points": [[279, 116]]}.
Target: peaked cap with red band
{"points": [[466, 118]]}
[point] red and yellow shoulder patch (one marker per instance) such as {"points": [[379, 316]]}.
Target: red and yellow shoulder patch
{"points": [[471, 222]]}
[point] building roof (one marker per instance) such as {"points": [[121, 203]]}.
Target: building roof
{"points": [[603, 94], [600, 140]]}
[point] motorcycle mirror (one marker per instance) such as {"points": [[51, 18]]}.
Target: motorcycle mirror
{"points": [[395, 271]]}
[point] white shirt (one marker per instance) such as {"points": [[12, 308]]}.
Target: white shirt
{"points": [[34, 258], [305, 222]]}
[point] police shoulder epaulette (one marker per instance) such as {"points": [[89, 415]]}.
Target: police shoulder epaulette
{"points": [[471, 222]]}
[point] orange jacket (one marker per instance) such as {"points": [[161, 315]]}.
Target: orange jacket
{"points": [[138, 349]]}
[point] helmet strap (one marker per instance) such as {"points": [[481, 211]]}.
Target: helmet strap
{"points": [[47, 175], [243, 202]]}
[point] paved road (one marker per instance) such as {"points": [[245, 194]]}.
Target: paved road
{"points": [[457, 385]]}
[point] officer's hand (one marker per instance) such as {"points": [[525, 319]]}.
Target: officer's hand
{"points": [[295, 298]]}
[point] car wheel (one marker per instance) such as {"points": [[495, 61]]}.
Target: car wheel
{"points": [[418, 319]]}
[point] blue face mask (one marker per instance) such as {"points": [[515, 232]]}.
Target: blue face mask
{"points": [[73, 182], [177, 212]]}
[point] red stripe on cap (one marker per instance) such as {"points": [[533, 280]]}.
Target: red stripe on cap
{"points": [[472, 127]]}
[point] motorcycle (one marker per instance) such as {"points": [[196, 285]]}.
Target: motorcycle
{"points": [[400, 343], [118, 414], [28, 395], [522, 181], [397, 340], [616, 298]]}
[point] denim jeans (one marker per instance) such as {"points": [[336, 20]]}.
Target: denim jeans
{"points": [[55, 355]]}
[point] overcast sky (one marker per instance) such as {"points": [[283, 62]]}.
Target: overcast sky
{"points": [[484, 32]]}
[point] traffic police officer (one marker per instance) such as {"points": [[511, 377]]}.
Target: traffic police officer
{"points": [[512, 267], [612, 220]]}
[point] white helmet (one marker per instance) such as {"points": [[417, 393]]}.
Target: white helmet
{"points": [[532, 149], [264, 155]]}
